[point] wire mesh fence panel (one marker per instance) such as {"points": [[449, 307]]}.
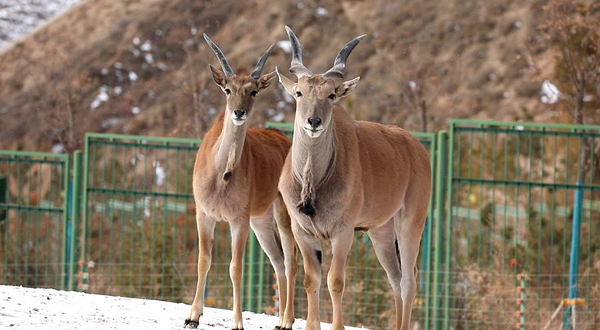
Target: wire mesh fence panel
{"points": [[33, 217], [140, 234], [509, 243]]}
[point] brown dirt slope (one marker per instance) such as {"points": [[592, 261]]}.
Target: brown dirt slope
{"points": [[474, 59]]}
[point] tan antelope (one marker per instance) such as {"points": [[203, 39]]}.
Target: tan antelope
{"points": [[235, 180], [342, 175]]}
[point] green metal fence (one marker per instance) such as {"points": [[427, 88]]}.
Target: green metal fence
{"points": [[36, 241], [511, 236], [513, 229], [139, 226]]}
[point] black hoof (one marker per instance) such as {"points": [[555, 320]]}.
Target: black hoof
{"points": [[277, 328], [189, 324], [238, 329]]}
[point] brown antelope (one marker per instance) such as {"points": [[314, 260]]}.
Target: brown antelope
{"points": [[235, 180], [342, 175]]}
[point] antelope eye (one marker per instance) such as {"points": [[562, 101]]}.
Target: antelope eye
{"points": [[227, 91], [298, 94], [253, 93], [331, 96]]}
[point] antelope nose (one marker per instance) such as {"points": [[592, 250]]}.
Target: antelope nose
{"points": [[239, 113], [314, 122]]}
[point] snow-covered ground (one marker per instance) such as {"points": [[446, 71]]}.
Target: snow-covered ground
{"points": [[20, 17], [48, 309]]}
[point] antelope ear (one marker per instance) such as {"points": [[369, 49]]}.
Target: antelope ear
{"points": [[287, 83], [346, 88], [265, 80], [218, 76]]}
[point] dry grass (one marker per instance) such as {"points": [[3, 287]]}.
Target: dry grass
{"points": [[472, 59]]}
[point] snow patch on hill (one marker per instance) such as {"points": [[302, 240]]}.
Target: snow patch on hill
{"points": [[18, 18]]}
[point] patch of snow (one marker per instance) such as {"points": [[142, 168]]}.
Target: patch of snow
{"points": [[103, 94], [95, 104], [133, 76], [278, 117], [320, 12], [112, 121], [49, 309], [135, 52], [193, 30], [149, 59], [281, 104], [300, 5], [101, 98], [146, 46], [549, 93], [506, 95], [105, 71], [117, 90], [161, 66], [456, 27], [517, 24], [588, 98], [285, 45], [412, 85], [18, 18], [136, 41], [118, 65], [159, 173], [58, 148], [159, 33], [135, 110], [212, 111]]}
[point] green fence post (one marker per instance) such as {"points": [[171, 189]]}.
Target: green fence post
{"points": [[439, 220], [574, 257], [84, 213], [433, 150], [75, 213], [67, 225], [3, 189], [448, 222]]}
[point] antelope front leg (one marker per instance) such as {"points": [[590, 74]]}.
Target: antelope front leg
{"points": [[264, 228], [239, 235], [340, 246], [290, 252], [310, 248], [206, 233]]}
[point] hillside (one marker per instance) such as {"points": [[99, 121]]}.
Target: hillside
{"points": [[132, 66]]}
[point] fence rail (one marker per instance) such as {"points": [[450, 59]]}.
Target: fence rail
{"points": [[510, 238]]}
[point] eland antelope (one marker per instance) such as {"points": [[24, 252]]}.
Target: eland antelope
{"points": [[342, 175], [235, 180]]}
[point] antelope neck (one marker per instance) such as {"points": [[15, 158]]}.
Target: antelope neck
{"points": [[228, 149]]}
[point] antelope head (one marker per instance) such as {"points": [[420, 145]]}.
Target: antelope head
{"points": [[315, 94], [240, 90]]}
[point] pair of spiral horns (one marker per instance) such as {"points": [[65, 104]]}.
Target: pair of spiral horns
{"points": [[297, 66]]}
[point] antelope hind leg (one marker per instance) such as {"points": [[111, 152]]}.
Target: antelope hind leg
{"points": [[386, 249], [206, 233]]}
